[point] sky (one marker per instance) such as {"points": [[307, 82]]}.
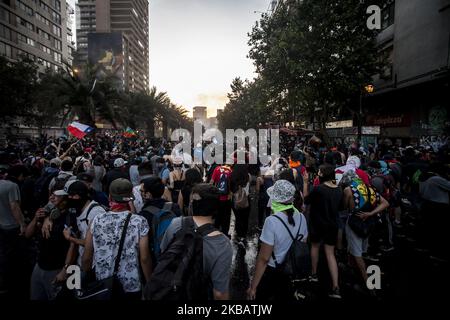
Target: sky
{"points": [[197, 47]]}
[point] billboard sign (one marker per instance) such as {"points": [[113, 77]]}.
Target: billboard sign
{"points": [[105, 53]]}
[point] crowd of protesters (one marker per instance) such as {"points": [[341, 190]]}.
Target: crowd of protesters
{"points": [[126, 208]]}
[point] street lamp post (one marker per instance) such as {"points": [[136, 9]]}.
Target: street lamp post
{"points": [[366, 90]]}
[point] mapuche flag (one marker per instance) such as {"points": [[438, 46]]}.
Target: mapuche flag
{"points": [[79, 130], [129, 133]]}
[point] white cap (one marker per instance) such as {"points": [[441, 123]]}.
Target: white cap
{"points": [[119, 162]]}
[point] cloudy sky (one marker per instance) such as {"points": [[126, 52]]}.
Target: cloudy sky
{"points": [[197, 47]]}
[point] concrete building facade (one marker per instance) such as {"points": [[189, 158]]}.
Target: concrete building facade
{"points": [[38, 29], [128, 17], [411, 100]]}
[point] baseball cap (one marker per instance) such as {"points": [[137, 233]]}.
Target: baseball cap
{"points": [[78, 188], [121, 190], [56, 162], [65, 191], [119, 162]]}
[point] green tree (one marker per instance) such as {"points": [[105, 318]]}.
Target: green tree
{"points": [[248, 106], [17, 86], [87, 97], [315, 56]]}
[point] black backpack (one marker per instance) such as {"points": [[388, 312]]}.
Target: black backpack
{"points": [[41, 187], [91, 206], [60, 181], [179, 274], [297, 263], [159, 220]]}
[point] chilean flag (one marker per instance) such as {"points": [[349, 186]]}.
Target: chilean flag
{"points": [[79, 130]]}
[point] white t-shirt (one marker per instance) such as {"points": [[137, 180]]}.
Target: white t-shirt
{"points": [[274, 234], [83, 223]]}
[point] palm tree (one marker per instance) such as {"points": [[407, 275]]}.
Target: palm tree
{"points": [[157, 105], [88, 97]]}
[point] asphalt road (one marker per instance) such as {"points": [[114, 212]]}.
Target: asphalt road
{"points": [[406, 273]]}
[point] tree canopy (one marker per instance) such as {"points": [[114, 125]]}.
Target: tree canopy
{"points": [[53, 98], [310, 56]]}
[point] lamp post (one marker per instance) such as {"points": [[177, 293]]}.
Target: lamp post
{"points": [[366, 90]]}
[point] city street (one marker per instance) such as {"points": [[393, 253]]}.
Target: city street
{"points": [[216, 150]]}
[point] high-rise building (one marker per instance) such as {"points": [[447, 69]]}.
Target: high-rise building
{"points": [[410, 99], [37, 29], [129, 18], [200, 113]]}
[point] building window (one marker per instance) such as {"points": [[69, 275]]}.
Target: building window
{"points": [[57, 5], [46, 49], [5, 50], [56, 17], [57, 57], [21, 38], [42, 19], [5, 32], [24, 7], [24, 23], [58, 44], [57, 31], [4, 15], [388, 15]]}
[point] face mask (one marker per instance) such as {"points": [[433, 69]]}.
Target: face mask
{"points": [[76, 204]]}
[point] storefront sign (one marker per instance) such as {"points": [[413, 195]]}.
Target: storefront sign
{"points": [[371, 130], [399, 120], [340, 124]]}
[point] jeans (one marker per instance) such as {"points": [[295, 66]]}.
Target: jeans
{"points": [[9, 251]]}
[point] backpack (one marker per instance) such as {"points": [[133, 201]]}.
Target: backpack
{"points": [[364, 199], [240, 198], [41, 186], [160, 221], [299, 179], [60, 182], [389, 186], [297, 263], [179, 274], [223, 184], [91, 206]]}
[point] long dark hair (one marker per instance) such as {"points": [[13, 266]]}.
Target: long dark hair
{"points": [[193, 177], [239, 177], [287, 174], [290, 213]]}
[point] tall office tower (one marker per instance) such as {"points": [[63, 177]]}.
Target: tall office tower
{"points": [[37, 29], [114, 35]]}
